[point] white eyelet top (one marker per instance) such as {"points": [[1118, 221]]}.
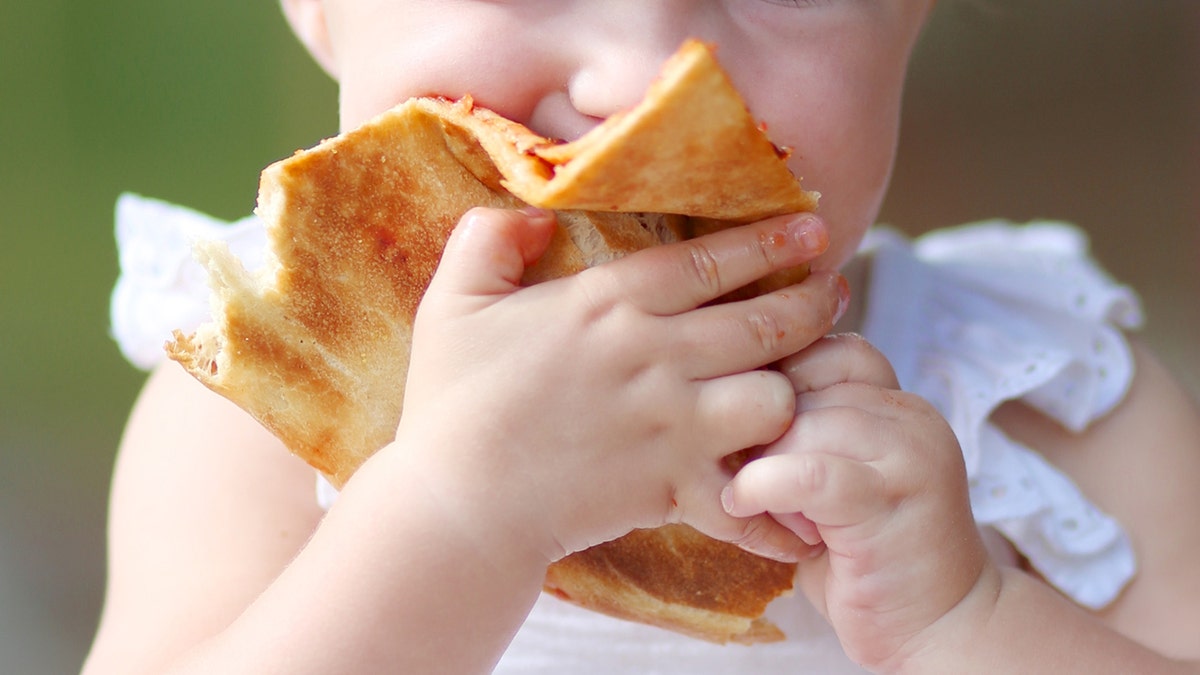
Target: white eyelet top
{"points": [[986, 313], [969, 317]]}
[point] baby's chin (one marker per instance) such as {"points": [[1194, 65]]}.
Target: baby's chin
{"points": [[354, 112]]}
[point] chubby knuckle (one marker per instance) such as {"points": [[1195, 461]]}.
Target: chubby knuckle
{"points": [[595, 289], [766, 330], [763, 248], [810, 474], [928, 433], [705, 268], [919, 406], [750, 533]]}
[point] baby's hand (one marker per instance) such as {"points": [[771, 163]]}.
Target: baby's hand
{"points": [[877, 475], [572, 411]]}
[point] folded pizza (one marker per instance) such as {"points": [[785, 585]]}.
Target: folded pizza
{"points": [[315, 344]]}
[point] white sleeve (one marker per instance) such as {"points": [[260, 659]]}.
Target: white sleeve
{"points": [[975, 316], [161, 288]]}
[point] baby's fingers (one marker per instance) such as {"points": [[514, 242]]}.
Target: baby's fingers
{"points": [[830, 490], [759, 533], [834, 359], [736, 336], [489, 250], [667, 280], [744, 410]]}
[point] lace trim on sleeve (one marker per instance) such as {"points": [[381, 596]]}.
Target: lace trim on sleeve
{"points": [[161, 287], [980, 315]]}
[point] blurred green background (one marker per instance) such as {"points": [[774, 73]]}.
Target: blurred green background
{"points": [[181, 100], [1084, 110]]}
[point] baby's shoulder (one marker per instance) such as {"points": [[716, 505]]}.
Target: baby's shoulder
{"points": [[1140, 463]]}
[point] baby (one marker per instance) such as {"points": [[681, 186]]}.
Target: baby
{"points": [[983, 482]]}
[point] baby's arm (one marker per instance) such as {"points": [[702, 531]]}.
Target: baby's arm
{"points": [[872, 473], [1141, 464], [538, 421], [206, 508]]}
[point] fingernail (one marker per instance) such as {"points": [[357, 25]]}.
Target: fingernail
{"points": [[535, 212], [810, 232], [727, 499], [843, 298], [777, 554], [784, 547]]}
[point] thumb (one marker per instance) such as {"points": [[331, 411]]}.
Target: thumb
{"points": [[489, 249]]}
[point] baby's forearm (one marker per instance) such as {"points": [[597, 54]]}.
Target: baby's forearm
{"points": [[1012, 623], [391, 582]]}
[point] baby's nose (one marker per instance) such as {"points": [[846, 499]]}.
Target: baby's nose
{"points": [[612, 82], [604, 77], [555, 116], [619, 46]]}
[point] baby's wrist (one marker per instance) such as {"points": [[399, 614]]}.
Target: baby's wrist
{"points": [[943, 643], [471, 504]]}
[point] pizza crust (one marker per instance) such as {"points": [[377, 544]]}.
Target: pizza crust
{"points": [[315, 344]]}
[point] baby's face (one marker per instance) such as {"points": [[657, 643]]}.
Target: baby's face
{"points": [[824, 75]]}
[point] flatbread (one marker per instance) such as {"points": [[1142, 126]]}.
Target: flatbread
{"points": [[315, 344]]}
